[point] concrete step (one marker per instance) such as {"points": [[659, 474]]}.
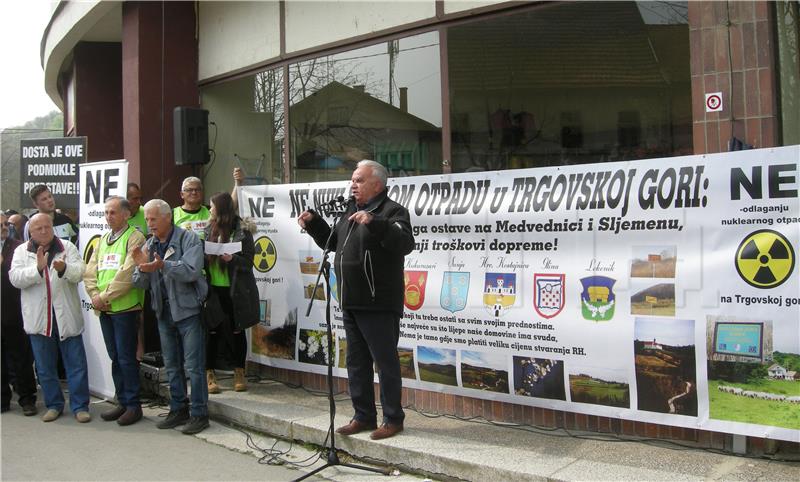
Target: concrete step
{"points": [[449, 448]]}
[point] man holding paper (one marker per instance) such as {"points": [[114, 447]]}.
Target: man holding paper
{"points": [[229, 257]]}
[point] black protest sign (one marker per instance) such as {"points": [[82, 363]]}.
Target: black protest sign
{"points": [[53, 162]]}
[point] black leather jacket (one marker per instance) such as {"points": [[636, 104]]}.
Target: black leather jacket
{"points": [[369, 258]]}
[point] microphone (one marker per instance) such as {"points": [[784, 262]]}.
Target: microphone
{"points": [[334, 203]]}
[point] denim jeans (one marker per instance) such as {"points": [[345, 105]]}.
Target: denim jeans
{"points": [[186, 336], [45, 352], [120, 333]]}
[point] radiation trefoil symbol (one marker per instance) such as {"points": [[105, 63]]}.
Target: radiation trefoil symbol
{"points": [[266, 254], [90, 248], [765, 259]]}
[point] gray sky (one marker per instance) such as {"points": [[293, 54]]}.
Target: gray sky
{"points": [[22, 95]]}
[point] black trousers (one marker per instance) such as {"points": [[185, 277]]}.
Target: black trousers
{"points": [[17, 359], [372, 336], [224, 337]]}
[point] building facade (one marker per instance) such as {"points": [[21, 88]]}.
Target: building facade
{"points": [[301, 91]]}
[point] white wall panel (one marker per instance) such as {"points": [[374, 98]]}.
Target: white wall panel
{"points": [[235, 35], [309, 24], [453, 6]]}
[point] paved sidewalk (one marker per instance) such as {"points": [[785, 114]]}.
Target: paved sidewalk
{"points": [[448, 448]]}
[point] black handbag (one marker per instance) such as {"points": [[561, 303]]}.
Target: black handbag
{"points": [[213, 315]]}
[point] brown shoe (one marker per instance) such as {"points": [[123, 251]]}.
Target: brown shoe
{"points": [[356, 426], [239, 380], [131, 416], [112, 414], [386, 430], [211, 379]]}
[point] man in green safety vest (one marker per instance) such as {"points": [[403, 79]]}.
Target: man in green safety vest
{"points": [[134, 196], [192, 215], [108, 283]]}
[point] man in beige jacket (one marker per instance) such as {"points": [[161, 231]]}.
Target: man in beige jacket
{"points": [[108, 283]]}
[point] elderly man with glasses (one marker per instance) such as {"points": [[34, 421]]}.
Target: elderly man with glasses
{"points": [[192, 215]]}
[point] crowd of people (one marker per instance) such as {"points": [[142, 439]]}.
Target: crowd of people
{"points": [[153, 260]]}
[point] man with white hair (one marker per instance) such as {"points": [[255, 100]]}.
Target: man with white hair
{"points": [[370, 252], [47, 271], [171, 266], [192, 215]]}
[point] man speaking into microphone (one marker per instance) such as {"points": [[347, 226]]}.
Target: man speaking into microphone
{"points": [[370, 250]]}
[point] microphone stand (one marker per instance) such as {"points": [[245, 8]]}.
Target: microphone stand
{"points": [[324, 270]]}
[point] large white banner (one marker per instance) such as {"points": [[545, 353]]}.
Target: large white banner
{"points": [[98, 180], [661, 290]]}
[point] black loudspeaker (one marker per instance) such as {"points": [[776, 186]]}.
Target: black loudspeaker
{"points": [[190, 128]]}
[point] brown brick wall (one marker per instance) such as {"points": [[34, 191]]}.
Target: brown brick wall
{"points": [[732, 51], [466, 407]]}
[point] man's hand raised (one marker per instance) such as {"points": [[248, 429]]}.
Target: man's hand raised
{"points": [[41, 259], [152, 266], [305, 218], [140, 255]]}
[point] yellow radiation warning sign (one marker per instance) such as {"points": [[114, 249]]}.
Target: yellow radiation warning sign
{"points": [[765, 259], [91, 246], [266, 254]]}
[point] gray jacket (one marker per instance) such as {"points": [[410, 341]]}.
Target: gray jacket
{"points": [[183, 276]]}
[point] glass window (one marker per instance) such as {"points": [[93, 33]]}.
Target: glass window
{"points": [[570, 83], [247, 130], [381, 102]]}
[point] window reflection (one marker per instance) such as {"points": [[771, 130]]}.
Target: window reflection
{"points": [[381, 102], [571, 83], [248, 129]]}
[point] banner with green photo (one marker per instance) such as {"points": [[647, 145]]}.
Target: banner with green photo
{"points": [[660, 290]]}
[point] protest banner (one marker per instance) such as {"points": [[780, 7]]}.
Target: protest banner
{"points": [[98, 180], [660, 290]]}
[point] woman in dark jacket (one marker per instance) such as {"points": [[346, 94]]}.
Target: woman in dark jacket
{"points": [[231, 277]]}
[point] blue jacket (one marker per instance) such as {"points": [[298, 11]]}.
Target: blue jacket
{"points": [[183, 276]]}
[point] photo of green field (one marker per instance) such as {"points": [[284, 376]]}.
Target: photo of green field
{"points": [[407, 365], [759, 393], [599, 386], [484, 371], [739, 408], [652, 300], [437, 365]]}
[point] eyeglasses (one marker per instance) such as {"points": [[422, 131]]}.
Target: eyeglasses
{"points": [[193, 190]]}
